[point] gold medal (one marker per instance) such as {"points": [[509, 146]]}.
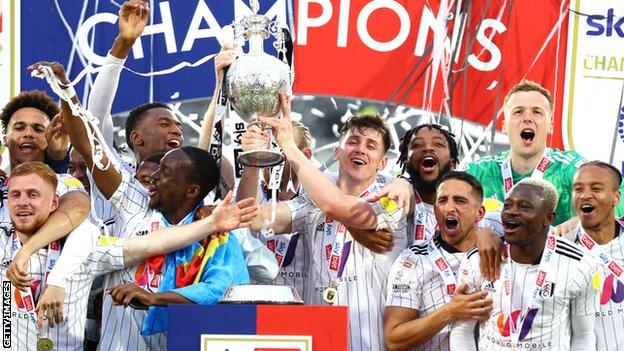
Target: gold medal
{"points": [[329, 295], [44, 344]]}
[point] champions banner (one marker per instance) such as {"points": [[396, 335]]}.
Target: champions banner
{"points": [[593, 117], [454, 57]]}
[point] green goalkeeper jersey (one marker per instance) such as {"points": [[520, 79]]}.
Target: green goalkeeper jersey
{"points": [[559, 172]]}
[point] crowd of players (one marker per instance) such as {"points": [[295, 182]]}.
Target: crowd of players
{"points": [[521, 250]]}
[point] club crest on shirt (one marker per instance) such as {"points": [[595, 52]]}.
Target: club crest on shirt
{"points": [[547, 290], [320, 227]]}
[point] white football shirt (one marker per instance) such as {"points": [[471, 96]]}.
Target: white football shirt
{"points": [[610, 317], [567, 293], [69, 335], [292, 254], [362, 284], [414, 282]]}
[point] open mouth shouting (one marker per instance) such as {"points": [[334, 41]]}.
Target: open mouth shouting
{"points": [[174, 143], [527, 135], [428, 163], [451, 224], [586, 210]]}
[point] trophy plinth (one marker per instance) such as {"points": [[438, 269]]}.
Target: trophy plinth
{"points": [[255, 79]]}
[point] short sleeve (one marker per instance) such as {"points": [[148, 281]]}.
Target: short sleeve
{"points": [[584, 300], [405, 282], [67, 183]]}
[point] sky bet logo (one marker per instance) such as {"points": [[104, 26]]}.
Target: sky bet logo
{"points": [[606, 25]]}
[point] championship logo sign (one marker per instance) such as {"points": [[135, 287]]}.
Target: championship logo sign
{"points": [[594, 77]]}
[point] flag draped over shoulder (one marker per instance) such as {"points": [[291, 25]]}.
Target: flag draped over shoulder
{"points": [[200, 273]]}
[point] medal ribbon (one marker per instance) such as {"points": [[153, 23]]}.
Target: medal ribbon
{"points": [[538, 172], [339, 248], [443, 268], [598, 253], [420, 220], [543, 271], [279, 246], [54, 251]]}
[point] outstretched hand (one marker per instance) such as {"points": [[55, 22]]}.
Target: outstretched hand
{"points": [[133, 17], [228, 216], [125, 293]]}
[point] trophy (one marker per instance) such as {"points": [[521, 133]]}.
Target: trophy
{"points": [[255, 78]]}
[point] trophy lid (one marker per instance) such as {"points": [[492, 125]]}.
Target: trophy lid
{"points": [[261, 295], [256, 24]]}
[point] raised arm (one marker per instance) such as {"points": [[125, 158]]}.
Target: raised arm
{"points": [[224, 59], [107, 180], [282, 223], [133, 17], [226, 216], [348, 210], [253, 138]]}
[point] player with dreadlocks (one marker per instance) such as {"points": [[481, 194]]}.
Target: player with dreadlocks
{"points": [[427, 153]]}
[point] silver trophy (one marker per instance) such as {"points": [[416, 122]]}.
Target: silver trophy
{"points": [[255, 78]]}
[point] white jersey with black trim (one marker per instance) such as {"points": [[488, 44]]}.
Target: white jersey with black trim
{"points": [[100, 103], [566, 294], [296, 262], [68, 335], [109, 220], [414, 282], [610, 317], [362, 284], [121, 327]]}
